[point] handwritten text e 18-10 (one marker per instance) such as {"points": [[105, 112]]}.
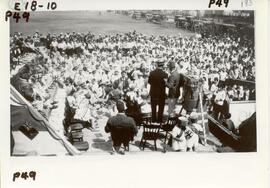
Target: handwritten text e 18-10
{"points": [[27, 7]]}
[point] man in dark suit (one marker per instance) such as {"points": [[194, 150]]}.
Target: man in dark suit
{"points": [[157, 80], [122, 128], [175, 81]]}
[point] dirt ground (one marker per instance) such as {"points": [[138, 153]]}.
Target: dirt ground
{"points": [[106, 23]]}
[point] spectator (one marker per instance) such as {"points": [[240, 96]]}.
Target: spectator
{"points": [[116, 125]]}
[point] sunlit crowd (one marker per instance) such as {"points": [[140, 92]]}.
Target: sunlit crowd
{"points": [[98, 70]]}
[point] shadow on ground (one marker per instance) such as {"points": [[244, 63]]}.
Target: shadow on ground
{"points": [[102, 144]]}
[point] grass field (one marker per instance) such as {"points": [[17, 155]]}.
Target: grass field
{"points": [[84, 21]]}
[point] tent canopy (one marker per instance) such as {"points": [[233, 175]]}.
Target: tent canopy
{"points": [[32, 133]]}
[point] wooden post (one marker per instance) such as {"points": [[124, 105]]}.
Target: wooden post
{"points": [[202, 113]]}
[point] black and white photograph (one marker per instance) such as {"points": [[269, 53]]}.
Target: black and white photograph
{"points": [[121, 93], [127, 82]]}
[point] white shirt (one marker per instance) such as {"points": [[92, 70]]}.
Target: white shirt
{"points": [[220, 97], [180, 143]]}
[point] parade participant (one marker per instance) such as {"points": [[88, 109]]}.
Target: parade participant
{"points": [[157, 80], [121, 127]]}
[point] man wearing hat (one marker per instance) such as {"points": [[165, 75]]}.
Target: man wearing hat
{"points": [[175, 80], [121, 127], [157, 80], [194, 125]]}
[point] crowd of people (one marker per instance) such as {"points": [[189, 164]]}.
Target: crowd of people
{"points": [[98, 70]]}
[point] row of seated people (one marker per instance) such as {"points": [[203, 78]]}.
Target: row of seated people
{"points": [[40, 96]]}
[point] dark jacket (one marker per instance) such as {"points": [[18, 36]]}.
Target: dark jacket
{"points": [[229, 124], [121, 120], [174, 84], [122, 128], [157, 82], [23, 87]]}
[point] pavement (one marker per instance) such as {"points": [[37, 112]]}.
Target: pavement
{"points": [[106, 23]]}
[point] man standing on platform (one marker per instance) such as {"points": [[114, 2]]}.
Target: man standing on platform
{"points": [[157, 80], [175, 80]]}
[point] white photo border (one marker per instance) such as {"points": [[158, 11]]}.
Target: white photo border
{"points": [[154, 170]]}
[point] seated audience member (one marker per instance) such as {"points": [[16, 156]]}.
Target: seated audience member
{"points": [[121, 127], [197, 128], [178, 136], [22, 84], [192, 139], [184, 139], [116, 93]]}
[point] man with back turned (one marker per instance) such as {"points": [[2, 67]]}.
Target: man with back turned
{"points": [[157, 80], [121, 127]]}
